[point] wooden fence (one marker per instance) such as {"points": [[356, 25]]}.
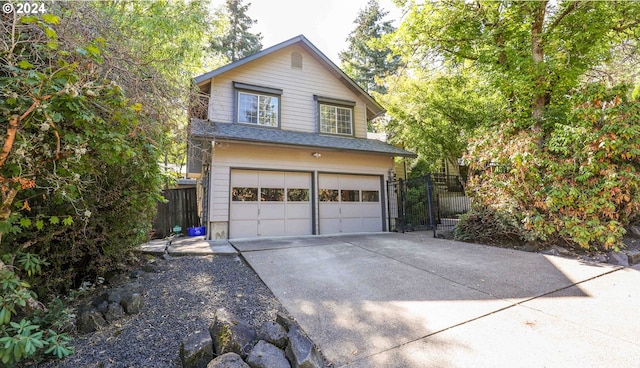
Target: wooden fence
{"points": [[180, 209]]}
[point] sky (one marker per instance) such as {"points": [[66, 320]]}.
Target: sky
{"points": [[326, 23]]}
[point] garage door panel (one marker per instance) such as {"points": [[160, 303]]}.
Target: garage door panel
{"points": [[371, 210], [351, 182], [351, 210], [371, 224], [351, 225], [244, 211], [330, 210], [271, 179], [262, 204], [357, 206], [328, 225], [243, 228], [373, 184], [329, 181], [298, 227], [299, 210], [272, 227], [297, 180], [243, 177], [272, 211]]}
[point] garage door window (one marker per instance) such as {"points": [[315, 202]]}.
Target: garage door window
{"points": [[350, 195], [297, 195], [244, 194], [328, 195], [370, 196], [272, 194]]}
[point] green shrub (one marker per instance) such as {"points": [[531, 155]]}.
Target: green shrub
{"points": [[25, 333], [82, 179], [581, 188]]}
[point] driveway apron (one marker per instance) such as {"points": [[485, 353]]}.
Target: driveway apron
{"points": [[409, 300]]}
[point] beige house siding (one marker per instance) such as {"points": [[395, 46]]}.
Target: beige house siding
{"points": [[298, 107], [238, 155]]}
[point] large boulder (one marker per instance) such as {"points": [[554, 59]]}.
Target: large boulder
{"points": [[265, 355], [100, 303], [301, 352], [633, 257], [131, 303], [618, 259], [196, 350], [230, 335], [114, 312], [284, 321], [90, 320], [228, 360], [114, 296], [273, 333]]}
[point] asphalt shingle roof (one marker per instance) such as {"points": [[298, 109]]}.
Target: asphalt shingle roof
{"points": [[248, 133]]}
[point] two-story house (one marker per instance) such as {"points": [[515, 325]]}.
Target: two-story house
{"points": [[282, 149]]}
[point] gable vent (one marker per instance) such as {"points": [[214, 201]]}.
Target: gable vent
{"points": [[296, 60]]}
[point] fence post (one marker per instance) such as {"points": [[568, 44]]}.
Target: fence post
{"points": [[403, 205], [389, 204], [432, 223]]}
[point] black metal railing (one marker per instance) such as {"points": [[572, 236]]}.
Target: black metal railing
{"points": [[431, 202]]}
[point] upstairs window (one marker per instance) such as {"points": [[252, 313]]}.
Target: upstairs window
{"points": [[335, 116], [258, 105], [335, 120], [258, 109]]}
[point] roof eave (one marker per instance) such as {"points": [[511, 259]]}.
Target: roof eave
{"points": [[280, 144], [374, 106], [207, 76]]}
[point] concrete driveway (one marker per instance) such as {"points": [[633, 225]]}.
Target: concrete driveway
{"points": [[409, 300]]}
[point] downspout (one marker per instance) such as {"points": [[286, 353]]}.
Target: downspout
{"points": [[208, 179]]}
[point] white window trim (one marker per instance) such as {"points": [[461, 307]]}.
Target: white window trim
{"points": [[336, 104], [250, 89], [335, 122], [258, 122]]}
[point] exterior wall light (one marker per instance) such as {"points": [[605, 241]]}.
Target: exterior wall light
{"points": [[316, 155]]}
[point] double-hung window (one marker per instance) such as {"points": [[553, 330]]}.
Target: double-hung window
{"points": [[258, 105], [335, 116]]}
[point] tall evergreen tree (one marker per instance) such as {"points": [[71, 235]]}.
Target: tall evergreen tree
{"points": [[233, 39], [366, 63]]}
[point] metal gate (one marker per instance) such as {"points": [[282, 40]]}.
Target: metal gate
{"points": [[432, 202]]}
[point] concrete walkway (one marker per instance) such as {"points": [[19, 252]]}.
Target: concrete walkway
{"points": [[409, 300], [188, 246]]}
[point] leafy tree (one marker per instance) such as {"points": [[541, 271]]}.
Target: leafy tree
{"points": [[89, 107], [537, 56], [534, 53], [623, 68], [92, 108], [365, 60], [171, 39], [434, 113], [231, 28]]}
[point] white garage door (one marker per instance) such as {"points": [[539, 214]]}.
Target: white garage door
{"points": [[269, 203], [349, 203]]}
